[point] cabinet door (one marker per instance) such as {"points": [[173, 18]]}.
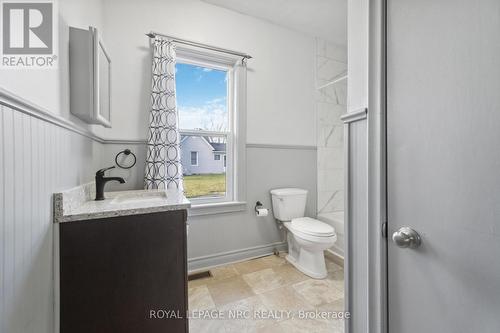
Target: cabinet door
{"points": [[115, 271]]}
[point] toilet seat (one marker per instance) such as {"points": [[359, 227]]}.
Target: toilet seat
{"points": [[318, 239], [312, 227]]}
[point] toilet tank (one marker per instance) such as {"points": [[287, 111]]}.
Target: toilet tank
{"points": [[288, 203]]}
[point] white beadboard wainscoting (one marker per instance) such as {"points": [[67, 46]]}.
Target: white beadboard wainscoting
{"points": [[357, 245], [37, 158]]}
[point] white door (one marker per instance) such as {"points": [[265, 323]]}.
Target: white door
{"points": [[443, 150]]}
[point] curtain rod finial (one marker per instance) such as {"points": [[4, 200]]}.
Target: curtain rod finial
{"points": [[151, 35]]}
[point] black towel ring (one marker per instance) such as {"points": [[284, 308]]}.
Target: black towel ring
{"points": [[126, 152]]}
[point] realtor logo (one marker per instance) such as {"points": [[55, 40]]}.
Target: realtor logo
{"points": [[27, 28], [28, 34]]}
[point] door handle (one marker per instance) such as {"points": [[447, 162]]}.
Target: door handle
{"points": [[406, 237]]}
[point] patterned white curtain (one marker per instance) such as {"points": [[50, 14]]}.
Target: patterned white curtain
{"points": [[163, 159]]}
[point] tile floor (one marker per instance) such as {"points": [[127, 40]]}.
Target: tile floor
{"points": [[266, 295]]}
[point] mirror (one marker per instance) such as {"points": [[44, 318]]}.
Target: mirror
{"points": [[104, 85]]}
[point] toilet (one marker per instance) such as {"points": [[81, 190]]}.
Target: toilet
{"points": [[307, 238]]}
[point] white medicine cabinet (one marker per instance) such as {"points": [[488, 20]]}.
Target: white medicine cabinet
{"points": [[90, 77]]}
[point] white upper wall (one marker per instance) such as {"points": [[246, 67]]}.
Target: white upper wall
{"points": [[280, 76]]}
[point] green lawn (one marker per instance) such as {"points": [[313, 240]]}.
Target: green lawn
{"points": [[205, 185]]}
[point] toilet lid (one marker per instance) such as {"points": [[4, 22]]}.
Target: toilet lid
{"points": [[313, 227]]}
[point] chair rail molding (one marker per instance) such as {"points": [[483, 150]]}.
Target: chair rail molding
{"points": [[279, 146], [355, 116], [22, 105]]}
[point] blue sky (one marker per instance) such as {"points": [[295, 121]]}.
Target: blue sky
{"points": [[201, 97]]}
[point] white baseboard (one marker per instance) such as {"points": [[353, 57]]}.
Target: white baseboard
{"points": [[229, 257]]}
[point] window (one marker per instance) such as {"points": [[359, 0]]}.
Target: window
{"points": [[210, 93], [203, 104], [194, 158]]}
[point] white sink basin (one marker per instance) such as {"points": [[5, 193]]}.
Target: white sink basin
{"points": [[139, 198]]}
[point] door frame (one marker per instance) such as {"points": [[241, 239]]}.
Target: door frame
{"points": [[377, 166], [376, 320]]}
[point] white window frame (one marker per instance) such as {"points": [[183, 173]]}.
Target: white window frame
{"points": [[191, 157], [215, 157], [235, 197]]}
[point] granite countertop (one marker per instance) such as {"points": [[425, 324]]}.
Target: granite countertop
{"points": [[78, 203]]}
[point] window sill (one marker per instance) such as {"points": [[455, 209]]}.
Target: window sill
{"points": [[217, 208]]}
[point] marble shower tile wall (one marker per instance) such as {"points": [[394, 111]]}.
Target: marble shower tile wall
{"points": [[331, 63]]}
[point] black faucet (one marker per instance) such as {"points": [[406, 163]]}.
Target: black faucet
{"points": [[100, 181]]}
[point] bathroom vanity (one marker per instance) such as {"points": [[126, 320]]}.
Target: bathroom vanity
{"points": [[123, 263]]}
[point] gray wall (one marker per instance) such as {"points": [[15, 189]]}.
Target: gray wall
{"points": [[221, 238], [216, 239], [134, 177]]}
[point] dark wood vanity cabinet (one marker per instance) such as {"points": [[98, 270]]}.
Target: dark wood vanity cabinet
{"points": [[122, 274]]}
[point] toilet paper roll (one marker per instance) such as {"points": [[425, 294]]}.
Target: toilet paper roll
{"points": [[262, 212]]}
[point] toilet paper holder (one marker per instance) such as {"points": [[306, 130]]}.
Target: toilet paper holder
{"points": [[260, 210], [258, 205]]}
